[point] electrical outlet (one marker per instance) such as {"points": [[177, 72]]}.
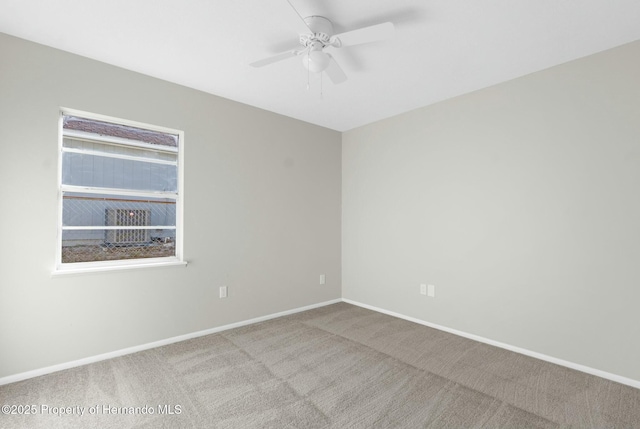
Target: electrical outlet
{"points": [[431, 291], [223, 291], [423, 289], [323, 279]]}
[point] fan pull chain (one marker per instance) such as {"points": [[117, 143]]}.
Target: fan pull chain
{"points": [[321, 93]]}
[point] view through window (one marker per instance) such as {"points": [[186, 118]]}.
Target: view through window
{"points": [[119, 185]]}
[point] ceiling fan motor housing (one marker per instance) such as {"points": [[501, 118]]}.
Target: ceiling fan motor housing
{"points": [[321, 31]]}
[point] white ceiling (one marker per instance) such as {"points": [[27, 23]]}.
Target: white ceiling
{"points": [[441, 49]]}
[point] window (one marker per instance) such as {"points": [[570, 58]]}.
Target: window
{"points": [[120, 194]]}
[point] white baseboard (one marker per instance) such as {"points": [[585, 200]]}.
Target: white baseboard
{"points": [[609, 376], [42, 371]]}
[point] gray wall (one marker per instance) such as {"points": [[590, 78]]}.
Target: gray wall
{"points": [[519, 202], [262, 213]]}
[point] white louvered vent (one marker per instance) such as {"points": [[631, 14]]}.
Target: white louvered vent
{"points": [[127, 217]]}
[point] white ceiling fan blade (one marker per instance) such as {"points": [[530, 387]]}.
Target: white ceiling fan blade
{"points": [[275, 58], [373, 33], [334, 72]]}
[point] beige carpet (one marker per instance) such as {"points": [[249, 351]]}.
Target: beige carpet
{"points": [[338, 366]]}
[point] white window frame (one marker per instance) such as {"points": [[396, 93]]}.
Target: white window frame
{"points": [[123, 264]]}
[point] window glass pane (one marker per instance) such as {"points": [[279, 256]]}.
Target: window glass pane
{"points": [[102, 172], [80, 209], [103, 156], [120, 131], [110, 245]]}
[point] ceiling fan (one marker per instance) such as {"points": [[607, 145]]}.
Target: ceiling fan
{"points": [[321, 36]]}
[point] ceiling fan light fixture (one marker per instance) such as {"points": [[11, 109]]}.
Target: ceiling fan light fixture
{"points": [[316, 61]]}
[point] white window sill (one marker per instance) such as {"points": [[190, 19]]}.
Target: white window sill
{"points": [[75, 269]]}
